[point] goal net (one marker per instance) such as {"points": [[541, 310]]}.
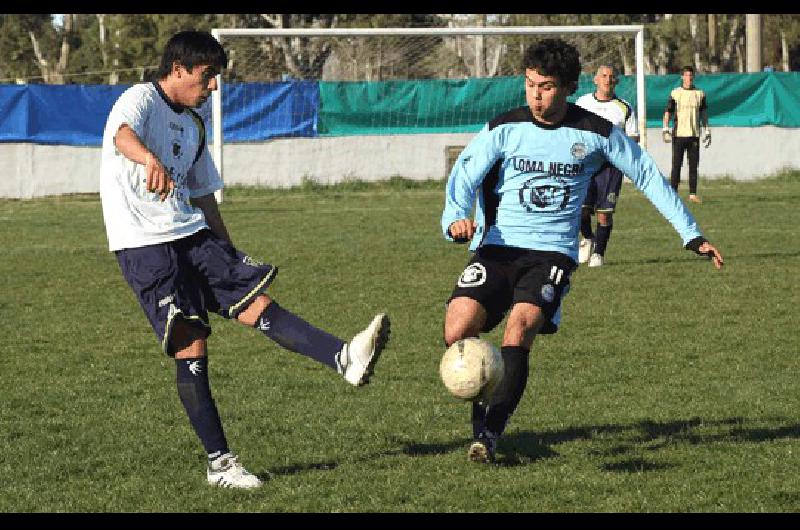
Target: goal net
{"points": [[327, 105]]}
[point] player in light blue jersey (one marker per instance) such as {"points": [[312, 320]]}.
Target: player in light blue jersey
{"points": [[526, 174]]}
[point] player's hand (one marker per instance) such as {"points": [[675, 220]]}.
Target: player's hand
{"points": [[666, 135], [158, 180], [462, 230], [707, 249], [707, 138]]}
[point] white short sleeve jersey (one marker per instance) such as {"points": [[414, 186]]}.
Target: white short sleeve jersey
{"points": [[616, 110], [135, 217]]}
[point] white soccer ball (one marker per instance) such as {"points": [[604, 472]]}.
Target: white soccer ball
{"points": [[471, 369]]}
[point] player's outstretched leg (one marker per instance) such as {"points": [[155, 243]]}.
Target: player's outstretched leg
{"points": [[358, 357]]}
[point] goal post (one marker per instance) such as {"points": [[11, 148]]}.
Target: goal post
{"points": [[370, 83]]}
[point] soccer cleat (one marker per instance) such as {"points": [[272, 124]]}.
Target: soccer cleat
{"points": [[226, 471], [695, 198], [359, 356], [596, 260], [483, 448], [585, 250]]}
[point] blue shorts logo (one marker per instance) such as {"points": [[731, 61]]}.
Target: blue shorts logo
{"points": [[548, 293]]}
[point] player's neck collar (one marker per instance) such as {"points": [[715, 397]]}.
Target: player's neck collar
{"points": [[556, 125], [174, 106], [612, 98]]}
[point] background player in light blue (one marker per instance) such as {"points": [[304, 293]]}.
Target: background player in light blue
{"points": [[526, 173]]}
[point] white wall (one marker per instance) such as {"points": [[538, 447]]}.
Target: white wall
{"points": [[32, 170]]}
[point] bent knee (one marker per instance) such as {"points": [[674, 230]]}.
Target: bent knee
{"points": [[188, 341]]}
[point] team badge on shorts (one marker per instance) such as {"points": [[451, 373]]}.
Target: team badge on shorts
{"points": [[548, 292], [473, 276], [611, 197]]}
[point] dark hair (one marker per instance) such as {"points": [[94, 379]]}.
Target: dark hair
{"points": [[687, 69], [190, 49], [554, 57]]}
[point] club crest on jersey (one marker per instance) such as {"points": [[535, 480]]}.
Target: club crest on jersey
{"points": [[473, 276], [175, 127], [533, 197], [176, 150], [548, 292], [578, 150]]}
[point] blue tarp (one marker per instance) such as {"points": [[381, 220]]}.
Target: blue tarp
{"points": [[76, 114], [254, 112], [56, 114]]}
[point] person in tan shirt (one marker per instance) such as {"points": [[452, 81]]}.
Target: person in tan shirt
{"points": [[688, 104]]}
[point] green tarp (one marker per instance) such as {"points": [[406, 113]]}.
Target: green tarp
{"points": [[431, 106]]}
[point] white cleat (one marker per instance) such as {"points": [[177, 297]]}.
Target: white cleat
{"points": [[596, 260], [585, 250], [227, 472], [359, 356]]}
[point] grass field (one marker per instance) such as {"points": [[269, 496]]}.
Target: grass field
{"points": [[670, 387]]}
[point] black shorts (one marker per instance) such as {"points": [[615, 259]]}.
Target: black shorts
{"points": [[499, 277], [604, 190], [189, 277]]}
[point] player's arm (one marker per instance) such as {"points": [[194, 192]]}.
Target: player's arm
{"points": [[666, 132], [208, 204], [128, 143], [706, 134], [639, 166], [467, 174]]}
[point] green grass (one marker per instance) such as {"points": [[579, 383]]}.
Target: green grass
{"points": [[670, 387]]}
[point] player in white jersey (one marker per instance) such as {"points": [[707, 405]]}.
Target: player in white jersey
{"points": [[605, 186], [157, 191], [525, 176]]}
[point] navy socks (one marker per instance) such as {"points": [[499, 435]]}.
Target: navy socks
{"points": [[195, 394], [506, 398], [603, 235], [586, 227], [297, 335]]}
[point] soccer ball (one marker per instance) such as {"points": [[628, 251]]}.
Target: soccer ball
{"points": [[471, 369]]}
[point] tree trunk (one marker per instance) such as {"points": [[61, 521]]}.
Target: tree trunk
{"points": [[784, 52], [480, 49], [41, 61], [698, 60], [713, 59], [730, 46], [626, 60], [740, 51]]}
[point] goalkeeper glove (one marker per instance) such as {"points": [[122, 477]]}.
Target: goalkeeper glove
{"points": [[706, 137], [666, 134]]}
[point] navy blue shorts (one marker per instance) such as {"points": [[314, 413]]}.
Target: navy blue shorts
{"points": [[604, 190], [498, 277], [189, 277]]}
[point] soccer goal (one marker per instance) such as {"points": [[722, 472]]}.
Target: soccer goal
{"points": [[328, 105]]}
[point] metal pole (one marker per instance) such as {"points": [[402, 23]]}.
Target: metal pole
{"points": [[641, 96], [216, 123]]}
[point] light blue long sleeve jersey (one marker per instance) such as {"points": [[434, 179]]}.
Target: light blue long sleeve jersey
{"points": [[530, 180]]}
